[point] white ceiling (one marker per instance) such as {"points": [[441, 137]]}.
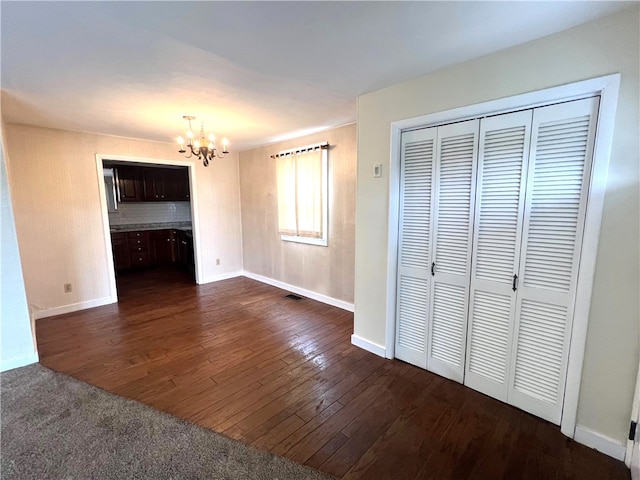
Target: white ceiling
{"points": [[255, 72]]}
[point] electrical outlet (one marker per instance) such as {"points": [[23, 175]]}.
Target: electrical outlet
{"points": [[67, 288], [217, 261]]}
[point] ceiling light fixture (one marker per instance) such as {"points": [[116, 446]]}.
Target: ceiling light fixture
{"points": [[200, 148]]}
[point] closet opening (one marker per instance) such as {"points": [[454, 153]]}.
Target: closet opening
{"points": [[494, 210]]}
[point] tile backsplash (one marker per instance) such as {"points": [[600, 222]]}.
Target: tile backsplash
{"points": [[150, 212]]}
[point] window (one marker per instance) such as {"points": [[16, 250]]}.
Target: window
{"points": [[302, 194]]}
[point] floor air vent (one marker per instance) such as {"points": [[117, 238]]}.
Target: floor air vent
{"points": [[292, 296]]}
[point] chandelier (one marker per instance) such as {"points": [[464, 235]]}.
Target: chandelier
{"points": [[200, 148]]}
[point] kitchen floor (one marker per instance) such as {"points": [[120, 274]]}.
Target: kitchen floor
{"points": [[131, 283]]}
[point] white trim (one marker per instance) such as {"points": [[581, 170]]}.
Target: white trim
{"points": [[195, 214], [221, 276], [301, 291], [392, 241], [104, 211], [73, 307], [607, 87], [608, 90], [368, 346], [635, 416], [18, 362], [599, 442]]}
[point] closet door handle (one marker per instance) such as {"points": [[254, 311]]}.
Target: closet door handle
{"points": [[433, 267], [515, 280]]}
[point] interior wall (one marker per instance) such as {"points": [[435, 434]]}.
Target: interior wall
{"points": [[17, 347], [56, 201], [602, 47], [327, 270]]}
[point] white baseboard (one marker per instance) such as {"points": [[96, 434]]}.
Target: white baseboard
{"points": [[600, 442], [12, 363], [301, 291], [222, 276], [368, 346], [74, 307]]}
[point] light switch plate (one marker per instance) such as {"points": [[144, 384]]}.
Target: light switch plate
{"points": [[377, 170]]}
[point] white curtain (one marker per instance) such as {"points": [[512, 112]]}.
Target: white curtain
{"points": [[300, 193]]}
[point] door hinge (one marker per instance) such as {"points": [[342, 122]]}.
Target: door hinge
{"points": [[632, 430]]}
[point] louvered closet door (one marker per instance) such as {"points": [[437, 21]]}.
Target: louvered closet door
{"points": [[502, 168], [452, 236], [557, 184], [416, 190]]}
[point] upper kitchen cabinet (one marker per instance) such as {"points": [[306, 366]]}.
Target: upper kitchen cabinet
{"points": [[152, 184], [129, 184], [180, 184], [165, 184]]}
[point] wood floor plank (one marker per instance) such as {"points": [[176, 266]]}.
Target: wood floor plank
{"points": [[240, 358]]}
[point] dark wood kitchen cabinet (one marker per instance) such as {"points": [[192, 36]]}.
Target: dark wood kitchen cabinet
{"points": [[121, 255], [165, 184], [129, 184], [152, 184], [152, 248], [162, 246], [139, 249], [180, 184]]}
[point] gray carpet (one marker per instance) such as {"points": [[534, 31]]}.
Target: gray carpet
{"points": [[55, 427]]}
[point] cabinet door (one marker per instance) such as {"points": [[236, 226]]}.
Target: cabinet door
{"points": [[180, 182], [555, 204], [414, 255], [120, 246], [130, 184], [457, 148], [155, 185], [161, 246], [502, 167]]}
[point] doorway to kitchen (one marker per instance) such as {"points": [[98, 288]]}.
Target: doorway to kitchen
{"points": [[148, 217]]}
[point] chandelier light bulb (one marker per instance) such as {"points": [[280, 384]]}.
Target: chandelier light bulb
{"points": [[189, 134], [212, 137], [196, 145], [181, 141]]}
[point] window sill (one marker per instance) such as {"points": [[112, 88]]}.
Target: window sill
{"points": [[322, 242]]}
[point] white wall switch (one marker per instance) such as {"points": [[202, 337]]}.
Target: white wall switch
{"points": [[377, 170]]}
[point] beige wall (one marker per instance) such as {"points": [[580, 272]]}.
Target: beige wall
{"points": [[324, 270], [56, 201], [606, 46]]}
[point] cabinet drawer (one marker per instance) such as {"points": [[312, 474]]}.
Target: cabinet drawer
{"points": [[139, 259], [143, 247], [138, 236]]}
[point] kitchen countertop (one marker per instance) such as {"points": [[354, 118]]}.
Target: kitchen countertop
{"points": [[137, 227]]}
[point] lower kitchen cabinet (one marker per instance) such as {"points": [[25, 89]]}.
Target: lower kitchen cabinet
{"points": [[152, 248], [139, 249], [162, 246], [121, 255]]}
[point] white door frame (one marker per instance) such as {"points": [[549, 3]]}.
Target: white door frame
{"points": [[631, 457], [105, 215], [607, 87]]}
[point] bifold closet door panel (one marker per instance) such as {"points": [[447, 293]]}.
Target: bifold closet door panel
{"points": [[557, 186], [417, 160], [457, 147], [502, 167]]}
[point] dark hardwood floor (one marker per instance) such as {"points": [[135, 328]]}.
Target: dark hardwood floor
{"points": [[239, 358]]}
